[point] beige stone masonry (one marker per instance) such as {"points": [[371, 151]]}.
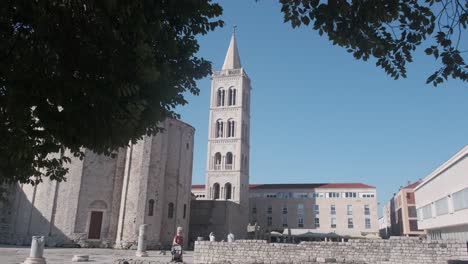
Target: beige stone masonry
{"points": [[393, 251]]}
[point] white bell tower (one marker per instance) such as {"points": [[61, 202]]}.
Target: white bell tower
{"points": [[227, 175]]}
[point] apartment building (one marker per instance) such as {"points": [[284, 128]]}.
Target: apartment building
{"points": [[442, 200], [344, 209], [403, 216]]}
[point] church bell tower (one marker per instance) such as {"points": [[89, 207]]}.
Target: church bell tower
{"points": [[227, 176]]}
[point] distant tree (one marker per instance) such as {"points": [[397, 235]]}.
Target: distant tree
{"points": [[390, 30], [78, 74]]}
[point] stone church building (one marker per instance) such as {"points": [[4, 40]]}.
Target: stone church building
{"points": [[105, 200]]}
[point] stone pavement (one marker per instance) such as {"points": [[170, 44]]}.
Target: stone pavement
{"points": [[16, 255]]}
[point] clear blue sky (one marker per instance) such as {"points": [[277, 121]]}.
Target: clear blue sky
{"points": [[319, 115]]}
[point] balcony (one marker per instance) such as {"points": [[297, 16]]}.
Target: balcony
{"points": [[217, 167], [228, 166]]}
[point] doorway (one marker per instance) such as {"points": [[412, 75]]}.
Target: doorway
{"points": [[95, 224]]}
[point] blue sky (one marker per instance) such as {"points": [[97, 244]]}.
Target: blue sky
{"points": [[319, 115]]}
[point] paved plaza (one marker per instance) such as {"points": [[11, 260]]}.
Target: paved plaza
{"points": [[16, 255]]}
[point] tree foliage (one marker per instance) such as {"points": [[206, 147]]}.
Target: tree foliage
{"points": [[78, 74], [390, 30]]}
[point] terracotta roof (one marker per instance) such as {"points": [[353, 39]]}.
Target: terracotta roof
{"points": [[300, 186], [412, 185]]}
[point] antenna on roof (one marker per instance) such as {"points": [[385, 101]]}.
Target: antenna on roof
{"points": [[234, 28]]}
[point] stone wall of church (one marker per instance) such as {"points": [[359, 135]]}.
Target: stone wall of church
{"points": [[410, 251], [41, 210], [60, 211], [157, 186], [219, 217], [117, 188]]}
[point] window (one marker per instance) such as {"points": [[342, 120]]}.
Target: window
{"points": [[285, 209], [231, 128], [219, 128], [220, 97], [269, 210], [333, 222], [317, 195], [368, 195], [332, 209], [349, 209], [232, 96], [300, 221], [285, 220], [367, 223], [150, 207], [366, 209], [269, 220], [217, 161], [316, 209], [227, 191], [271, 195], [441, 206], [350, 195], [185, 210], [426, 212], [412, 211], [300, 209], [317, 222], [460, 200], [170, 210], [350, 223], [413, 225], [229, 159], [216, 191], [254, 210], [333, 195]]}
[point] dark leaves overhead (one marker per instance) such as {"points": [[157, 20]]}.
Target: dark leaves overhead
{"points": [[92, 74], [389, 30]]}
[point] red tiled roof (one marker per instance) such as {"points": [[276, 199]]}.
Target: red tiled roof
{"points": [[300, 186], [412, 185]]}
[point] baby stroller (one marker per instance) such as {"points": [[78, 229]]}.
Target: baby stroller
{"points": [[177, 253]]}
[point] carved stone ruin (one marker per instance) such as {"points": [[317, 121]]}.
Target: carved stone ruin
{"points": [[37, 251], [141, 251], [80, 258]]}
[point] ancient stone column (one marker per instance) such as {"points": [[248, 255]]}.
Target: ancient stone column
{"points": [[37, 250], [141, 251]]}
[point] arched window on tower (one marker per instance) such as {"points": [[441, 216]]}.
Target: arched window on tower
{"points": [[216, 191], [220, 97], [219, 128], [232, 96], [217, 161], [228, 191], [231, 128], [170, 210], [150, 207], [229, 160]]}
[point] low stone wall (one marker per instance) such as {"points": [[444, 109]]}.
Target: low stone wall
{"points": [[392, 251], [137, 261]]}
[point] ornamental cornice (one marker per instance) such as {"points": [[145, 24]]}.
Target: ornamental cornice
{"points": [[226, 109], [223, 173], [224, 140]]}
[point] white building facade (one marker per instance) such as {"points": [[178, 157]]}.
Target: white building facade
{"points": [[442, 200]]}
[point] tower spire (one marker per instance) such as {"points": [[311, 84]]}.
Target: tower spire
{"points": [[232, 60]]}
